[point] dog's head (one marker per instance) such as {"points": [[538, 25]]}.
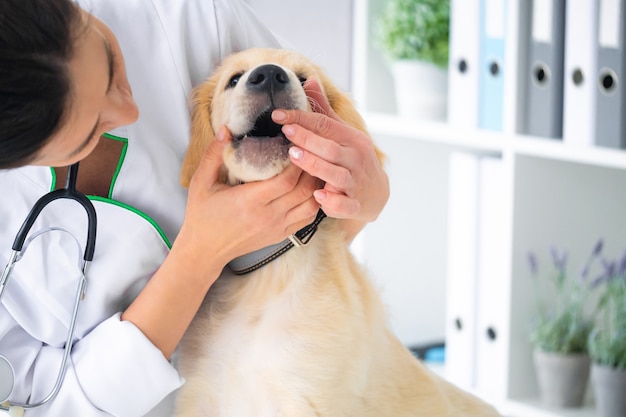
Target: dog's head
{"points": [[241, 95]]}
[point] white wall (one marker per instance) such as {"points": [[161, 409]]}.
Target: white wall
{"points": [[372, 79], [320, 29], [405, 248]]}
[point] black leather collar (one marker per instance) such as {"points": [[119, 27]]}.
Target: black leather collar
{"points": [[255, 260]]}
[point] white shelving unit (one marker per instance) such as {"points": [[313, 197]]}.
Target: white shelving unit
{"points": [[491, 143], [533, 408], [564, 195], [560, 194]]}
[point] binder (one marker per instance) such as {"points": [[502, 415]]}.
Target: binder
{"points": [[579, 95], [544, 103], [502, 46], [493, 280], [463, 63], [492, 65], [610, 126], [461, 266]]}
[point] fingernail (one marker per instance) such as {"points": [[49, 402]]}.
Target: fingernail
{"points": [[279, 116], [296, 153], [288, 130], [320, 195]]}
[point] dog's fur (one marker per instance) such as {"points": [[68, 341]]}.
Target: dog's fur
{"points": [[306, 335]]}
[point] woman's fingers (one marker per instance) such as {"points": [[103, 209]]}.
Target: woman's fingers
{"points": [[297, 206], [328, 171], [342, 156], [337, 204], [212, 160], [302, 206]]}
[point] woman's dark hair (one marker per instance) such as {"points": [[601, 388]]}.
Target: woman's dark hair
{"points": [[36, 43]]}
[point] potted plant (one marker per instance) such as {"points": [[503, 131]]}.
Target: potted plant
{"points": [[414, 34], [561, 330], [607, 342]]}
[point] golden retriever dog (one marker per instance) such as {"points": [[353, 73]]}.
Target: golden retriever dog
{"points": [[306, 334]]}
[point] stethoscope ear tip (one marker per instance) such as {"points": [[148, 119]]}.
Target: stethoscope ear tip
{"points": [[7, 379]]}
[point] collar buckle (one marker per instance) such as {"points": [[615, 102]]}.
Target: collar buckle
{"points": [[297, 242]]}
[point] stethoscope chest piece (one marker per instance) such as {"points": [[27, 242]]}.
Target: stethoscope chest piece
{"points": [[7, 379]]}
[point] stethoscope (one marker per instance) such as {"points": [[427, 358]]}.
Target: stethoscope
{"points": [[7, 373]]}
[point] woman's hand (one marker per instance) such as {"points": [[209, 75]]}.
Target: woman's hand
{"points": [[221, 223], [232, 221], [357, 187]]}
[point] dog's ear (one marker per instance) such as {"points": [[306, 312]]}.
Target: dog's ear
{"points": [[201, 129], [343, 105]]}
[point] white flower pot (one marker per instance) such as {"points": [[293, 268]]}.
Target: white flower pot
{"points": [[610, 390], [562, 378], [421, 90]]}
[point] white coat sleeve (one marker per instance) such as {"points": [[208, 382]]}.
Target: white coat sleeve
{"points": [[125, 358], [113, 371]]}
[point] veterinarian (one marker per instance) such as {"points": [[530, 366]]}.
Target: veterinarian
{"points": [[107, 84]]}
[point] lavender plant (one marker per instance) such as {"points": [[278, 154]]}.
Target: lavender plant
{"points": [[562, 324], [607, 342]]}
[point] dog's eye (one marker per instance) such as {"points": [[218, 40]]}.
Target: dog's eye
{"points": [[233, 80]]}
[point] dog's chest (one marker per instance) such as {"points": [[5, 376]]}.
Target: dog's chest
{"points": [[266, 343], [258, 352]]}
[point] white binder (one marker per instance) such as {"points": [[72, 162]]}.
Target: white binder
{"points": [[610, 124], [462, 268], [517, 17], [463, 64], [493, 280], [579, 95]]}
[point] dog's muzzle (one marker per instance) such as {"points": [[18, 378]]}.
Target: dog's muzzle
{"points": [[272, 81]]}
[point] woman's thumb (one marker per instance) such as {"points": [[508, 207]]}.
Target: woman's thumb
{"points": [[212, 159]]}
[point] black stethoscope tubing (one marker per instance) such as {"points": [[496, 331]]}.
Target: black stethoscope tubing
{"points": [[68, 192], [71, 193]]}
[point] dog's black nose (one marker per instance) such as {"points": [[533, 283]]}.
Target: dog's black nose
{"points": [[270, 78]]}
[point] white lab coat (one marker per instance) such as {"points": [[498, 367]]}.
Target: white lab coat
{"points": [[169, 46]]}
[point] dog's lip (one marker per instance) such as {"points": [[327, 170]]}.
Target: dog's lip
{"points": [[264, 127]]}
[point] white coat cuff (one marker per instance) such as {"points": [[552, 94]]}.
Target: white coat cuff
{"points": [[121, 371]]}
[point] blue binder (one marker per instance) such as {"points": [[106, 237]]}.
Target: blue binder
{"points": [[492, 64]]}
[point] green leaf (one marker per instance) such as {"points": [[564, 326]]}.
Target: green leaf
{"points": [[415, 30]]}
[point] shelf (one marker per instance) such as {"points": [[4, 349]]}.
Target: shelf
{"points": [[527, 407], [534, 408], [551, 185], [490, 143]]}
